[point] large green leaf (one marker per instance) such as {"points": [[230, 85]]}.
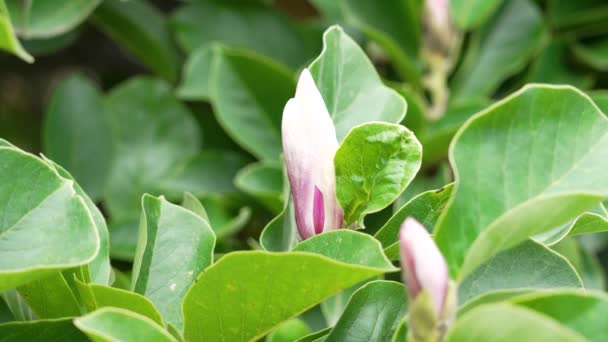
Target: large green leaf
{"points": [[374, 164], [77, 133], [585, 313], [505, 322], [248, 93], [264, 181], [525, 267], [44, 19], [44, 330], [511, 184], [98, 296], [143, 31], [470, 14], [425, 208], [45, 226], [249, 25], [245, 295], [175, 245], [500, 49], [395, 25], [153, 133], [113, 324], [352, 90], [372, 314], [8, 40]]}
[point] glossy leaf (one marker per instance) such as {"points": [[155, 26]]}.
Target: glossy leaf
{"points": [[549, 180], [43, 330], [374, 164], [43, 19], [372, 314], [470, 14], [8, 39], [77, 133], [500, 49], [528, 266], [143, 31], [352, 90], [251, 111], [505, 322], [425, 208], [175, 245], [241, 289], [45, 226], [98, 296], [264, 181], [584, 313], [205, 21], [112, 324]]}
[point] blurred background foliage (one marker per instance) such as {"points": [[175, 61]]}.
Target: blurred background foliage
{"points": [[167, 97]]}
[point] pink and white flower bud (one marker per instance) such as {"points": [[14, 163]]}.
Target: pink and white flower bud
{"points": [[423, 265], [309, 146]]}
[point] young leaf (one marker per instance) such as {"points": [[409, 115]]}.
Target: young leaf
{"points": [[351, 88], [374, 164], [112, 324], [43, 330], [527, 266], [500, 49], [372, 314], [8, 39], [505, 322], [143, 31], [77, 133], [45, 225], [511, 184], [175, 245], [253, 292]]}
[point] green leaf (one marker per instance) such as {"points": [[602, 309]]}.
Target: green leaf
{"points": [[77, 133], [153, 133], [553, 175], [600, 97], [527, 266], [493, 297], [438, 134], [112, 324], [281, 234], [395, 26], [175, 245], [594, 221], [232, 24], [44, 19], [505, 322], [584, 312], [8, 40], [470, 14], [223, 220], [197, 73], [374, 164], [43, 330], [46, 226], [576, 13], [19, 309], [143, 31], [248, 291], [594, 54], [209, 172], [425, 208], [372, 314], [351, 88], [248, 94], [50, 297], [290, 331], [264, 181], [316, 336], [584, 262], [500, 49], [98, 296], [553, 65], [192, 203]]}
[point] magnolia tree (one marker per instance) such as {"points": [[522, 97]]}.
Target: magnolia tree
{"points": [[315, 210]]}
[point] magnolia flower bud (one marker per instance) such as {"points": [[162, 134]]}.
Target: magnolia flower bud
{"points": [[440, 34], [425, 272], [309, 146]]}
